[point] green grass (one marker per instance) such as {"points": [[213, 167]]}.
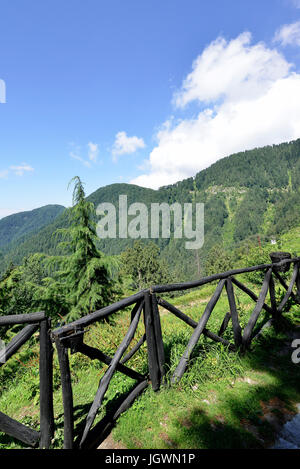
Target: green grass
{"points": [[291, 241], [212, 406], [219, 403]]}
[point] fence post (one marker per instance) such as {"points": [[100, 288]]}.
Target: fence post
{"points": [[46, 386], [233, 313], [273, 298], [67, 393], [298, 284], [158, 338], [153, 363]]}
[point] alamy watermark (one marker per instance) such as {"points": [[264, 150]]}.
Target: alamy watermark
{"points": [[138, 221], [2, 92], [2, 352], [296, 353]]}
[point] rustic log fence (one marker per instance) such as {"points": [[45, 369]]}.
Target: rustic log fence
{"points": [[145, 307], [71, 336], [35, 322]]}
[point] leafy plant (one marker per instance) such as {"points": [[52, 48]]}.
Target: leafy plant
{"points": [[144, 265]]}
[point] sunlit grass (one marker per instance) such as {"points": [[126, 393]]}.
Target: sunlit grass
{"points": [[205, 409]]}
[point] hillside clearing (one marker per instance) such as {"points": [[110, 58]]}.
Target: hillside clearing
{"points": [[224, 400]]}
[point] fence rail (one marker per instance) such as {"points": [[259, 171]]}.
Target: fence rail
{"points": [[145, 308], [35, 322]]}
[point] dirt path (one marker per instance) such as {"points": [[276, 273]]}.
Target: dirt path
{"points": [[109, 443]]}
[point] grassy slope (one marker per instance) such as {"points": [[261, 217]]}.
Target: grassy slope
{"points": [[224, 400], [291, 241]]}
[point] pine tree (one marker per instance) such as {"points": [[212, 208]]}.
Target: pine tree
{"points": [[83, 282]]}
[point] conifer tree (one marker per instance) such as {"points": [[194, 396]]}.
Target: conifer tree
{"points": [[143, 264], [83, 282]]}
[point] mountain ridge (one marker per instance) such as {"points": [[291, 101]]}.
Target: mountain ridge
{"points": [[247, 194], [15, 226]]}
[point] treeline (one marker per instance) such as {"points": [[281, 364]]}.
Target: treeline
{"points": [[81, 279], [249, 194], [69, 285]]}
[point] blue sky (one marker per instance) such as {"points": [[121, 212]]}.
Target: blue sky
{"points": [[139, 91]]}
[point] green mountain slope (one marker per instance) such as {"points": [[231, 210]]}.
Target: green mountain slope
{"points": [[248, 194], [18, 226]]}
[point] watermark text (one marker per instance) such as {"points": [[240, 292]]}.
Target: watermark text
{"points": [[296, 353], [160, 220], [2, 352]]}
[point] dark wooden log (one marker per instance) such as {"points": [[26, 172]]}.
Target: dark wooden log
{"points": [[95, 354], [67, 394], [104, 382], [214, 277], [179, 314], [277, 257], [138, 389], [104, 312], [297, 298], [237, 331], [250, 293], [158, 338], [98, 315], [46, 387], [192, 323], [258, 307], [265, 326], [17, 342], [19, 431], [153, 365], [210, 335], [22, 318], [197, 332], [103, 428], [281, 280], [133, 350], [205, 280], [283, 283], [224, 324], [273, 298], [289, 290], [72, 341]]}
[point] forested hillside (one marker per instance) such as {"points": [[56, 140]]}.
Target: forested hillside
{"points": [[14, 229], [246, 195]]}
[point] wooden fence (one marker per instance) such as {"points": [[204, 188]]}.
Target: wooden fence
{"points": [[145, 307], [71, 336], [35, 322]]}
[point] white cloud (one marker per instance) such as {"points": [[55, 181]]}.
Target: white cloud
{"points": [[93, 151], [75, 156], [21, 169], [16, 170], [288, 34], [91, 157], [126, 145], [249, 97], [232, 70]]}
